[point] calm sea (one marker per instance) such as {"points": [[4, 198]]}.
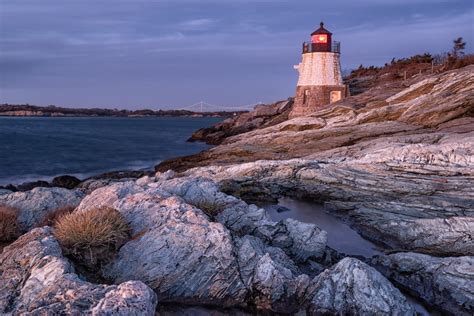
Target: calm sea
{"points": [[41, 148]]}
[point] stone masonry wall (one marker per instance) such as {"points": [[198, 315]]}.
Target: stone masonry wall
{"points": [[320, 75], [316, 97]]}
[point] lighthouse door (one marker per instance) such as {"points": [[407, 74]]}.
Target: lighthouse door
{"points": [[335, 96]]}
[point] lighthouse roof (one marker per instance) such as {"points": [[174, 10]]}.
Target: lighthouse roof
{"points": [[321, 30]]}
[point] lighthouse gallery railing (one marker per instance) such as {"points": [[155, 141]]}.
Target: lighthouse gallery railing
{"points": [[309, 47]]}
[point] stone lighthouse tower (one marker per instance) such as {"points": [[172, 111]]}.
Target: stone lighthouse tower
{"points": [[320, 79]]}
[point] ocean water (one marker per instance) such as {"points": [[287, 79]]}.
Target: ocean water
{"points": [[341, 236], [39, 148]]}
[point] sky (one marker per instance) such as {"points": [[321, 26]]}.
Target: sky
{"points": [[173, 53]]}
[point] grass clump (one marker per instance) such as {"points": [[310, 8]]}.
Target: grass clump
{"points": [[92, 238], [10, 228]]}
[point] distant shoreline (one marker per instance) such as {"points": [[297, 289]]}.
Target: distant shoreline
{"points": [[26, 110]]}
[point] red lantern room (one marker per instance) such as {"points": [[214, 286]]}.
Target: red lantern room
{"points": [[321, 41]]}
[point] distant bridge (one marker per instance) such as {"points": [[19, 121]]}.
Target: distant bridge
{"points": [[207, 107]]}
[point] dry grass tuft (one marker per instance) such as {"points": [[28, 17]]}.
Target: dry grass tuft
{"points": [[92, 237], [10, 229], [210, 208], [53, 217]]}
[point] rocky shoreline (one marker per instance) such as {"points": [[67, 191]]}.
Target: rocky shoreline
{"points": [[395, 162]]}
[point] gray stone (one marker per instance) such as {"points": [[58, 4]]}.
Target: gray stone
{"points": [[447, 283], [176, 250], [35, 279], [273, 279], [352, 287]]}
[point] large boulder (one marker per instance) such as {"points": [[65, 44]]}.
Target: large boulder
{"points": [[447, 283], [352, 287], [36, 279], [301, 241], [176, 250], [34, 206]]}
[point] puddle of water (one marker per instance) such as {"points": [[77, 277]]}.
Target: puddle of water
{"points": [[341, 236], [419, 308]]}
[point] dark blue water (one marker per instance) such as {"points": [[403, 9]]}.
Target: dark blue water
{"points": [[41, 148]]}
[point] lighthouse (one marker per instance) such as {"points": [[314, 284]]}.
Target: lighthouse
{"points": [[320, 79]]}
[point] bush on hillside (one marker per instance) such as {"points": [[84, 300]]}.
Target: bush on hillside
{"points": [[10, 229]]}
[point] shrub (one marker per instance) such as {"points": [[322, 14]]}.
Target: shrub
{"points": [[92, 237], [10, 229], [52, 217]]}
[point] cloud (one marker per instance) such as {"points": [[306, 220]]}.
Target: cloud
{"points": [[197, 24], [99, 52]]}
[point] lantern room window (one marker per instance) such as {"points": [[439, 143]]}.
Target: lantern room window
{"points": [[321, 39]]}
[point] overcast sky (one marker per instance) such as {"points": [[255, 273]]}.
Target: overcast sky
{"points": [[173, 53]]}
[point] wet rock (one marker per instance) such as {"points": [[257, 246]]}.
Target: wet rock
{"points": [[109, 178], [35, 205], [5, 191], [9, 187], [36, 279], [67, 182], [282, 209], [27, 186], [447, 283], [128, 174], [352, 287], [90, 185]]}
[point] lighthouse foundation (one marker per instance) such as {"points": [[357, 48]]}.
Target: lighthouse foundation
{"points": [[309, 99]]}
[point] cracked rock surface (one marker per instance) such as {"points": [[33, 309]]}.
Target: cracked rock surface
{"points": [[35, 279]]}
